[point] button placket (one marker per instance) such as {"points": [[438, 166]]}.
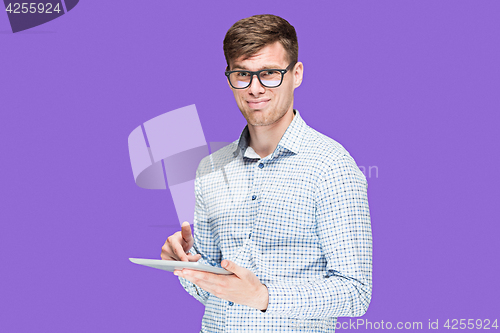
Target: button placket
{"points": [[255, 193], [257, 180]]}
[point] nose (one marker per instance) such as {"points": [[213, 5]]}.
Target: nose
{"points": [[255, 87]]}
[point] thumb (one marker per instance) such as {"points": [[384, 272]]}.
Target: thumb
{"points": [[232, 267]]}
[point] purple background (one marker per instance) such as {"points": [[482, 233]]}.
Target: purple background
{"points": [[411, 87]]}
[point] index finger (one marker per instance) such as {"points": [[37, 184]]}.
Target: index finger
{"points": [[186, 232]]}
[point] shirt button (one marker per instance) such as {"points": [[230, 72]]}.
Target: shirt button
{"points": [[261, 165], [254, 197], [230, 303]]}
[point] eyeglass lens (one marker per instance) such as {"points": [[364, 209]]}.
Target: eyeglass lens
{"points": [[269, 79]]}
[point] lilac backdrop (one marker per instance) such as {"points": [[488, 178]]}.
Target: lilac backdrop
{"points": [[410, 88]]}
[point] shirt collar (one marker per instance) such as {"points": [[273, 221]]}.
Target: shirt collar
{"points": [[291, 140]]}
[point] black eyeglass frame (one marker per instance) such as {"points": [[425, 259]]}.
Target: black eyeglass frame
{"points": [[282, 71]]}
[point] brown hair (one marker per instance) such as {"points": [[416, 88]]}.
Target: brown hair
{"points": [[247, 36]]}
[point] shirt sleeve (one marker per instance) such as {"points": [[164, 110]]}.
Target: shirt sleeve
{"points": [[344, 232], [193, 290], [204, 243]]}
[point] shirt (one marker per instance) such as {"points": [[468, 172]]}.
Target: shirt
{"points": [[298, 219]]}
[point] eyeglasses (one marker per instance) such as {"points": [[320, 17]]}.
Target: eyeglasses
{"points": [[269, 78]]}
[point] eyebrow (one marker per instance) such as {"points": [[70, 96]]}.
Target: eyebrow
{"points": [[272, 66]]}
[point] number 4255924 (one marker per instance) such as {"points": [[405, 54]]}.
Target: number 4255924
{"points": [[33, 7], [470, 324]]}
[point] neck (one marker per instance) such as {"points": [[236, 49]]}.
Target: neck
{"points": [[265, 139]]}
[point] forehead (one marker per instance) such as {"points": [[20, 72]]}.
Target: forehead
{"points": [[270, 56]]}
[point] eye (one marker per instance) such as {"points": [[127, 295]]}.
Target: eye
{"points": [[243, 74], [270, 74]]}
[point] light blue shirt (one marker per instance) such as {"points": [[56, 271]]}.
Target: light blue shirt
{"points": [[298, 219]]}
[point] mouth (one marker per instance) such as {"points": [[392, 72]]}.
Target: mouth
{"points": [[258, 104]]}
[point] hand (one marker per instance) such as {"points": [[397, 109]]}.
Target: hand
{"points": [[178, 244], [243, 287]]}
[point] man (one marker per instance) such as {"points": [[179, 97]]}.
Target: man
{"points": [[284, 208]]}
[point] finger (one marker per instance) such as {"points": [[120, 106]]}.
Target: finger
{"points": [[168, 257], [232, 267], [186, 232], [198, 277], [193, 258], [165, 255], [213, 283], [179, 251]]}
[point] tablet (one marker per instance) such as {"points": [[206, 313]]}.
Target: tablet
{"points": [[171, 265]]}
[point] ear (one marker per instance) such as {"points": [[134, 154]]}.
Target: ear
{"points": [[298, 72]]}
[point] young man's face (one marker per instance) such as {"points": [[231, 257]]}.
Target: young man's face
{"points": [[263, 106]]}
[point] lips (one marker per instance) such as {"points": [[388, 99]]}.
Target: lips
{"points": [[258, 104]]}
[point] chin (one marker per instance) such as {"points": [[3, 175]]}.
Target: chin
{"points": [[262, 121]]}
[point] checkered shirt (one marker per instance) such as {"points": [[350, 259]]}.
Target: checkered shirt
{"points": [[298, 219]]}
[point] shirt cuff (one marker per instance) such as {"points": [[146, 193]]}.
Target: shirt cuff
{"points": [[282, 299]]}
